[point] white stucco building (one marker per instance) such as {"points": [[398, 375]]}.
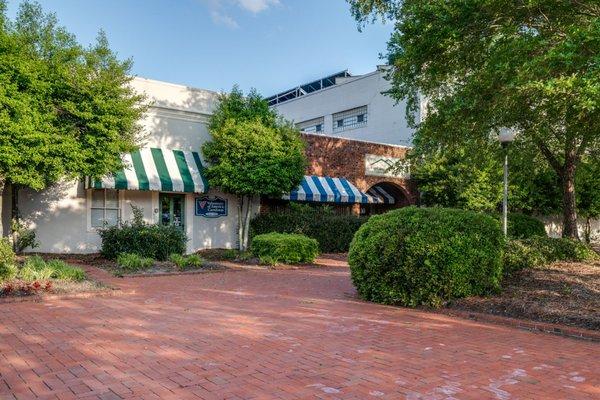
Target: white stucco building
{"points": [[168, 187], [164, 177], [347, 106]]}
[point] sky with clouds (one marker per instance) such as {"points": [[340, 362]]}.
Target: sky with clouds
{"points": [[271, 45]]}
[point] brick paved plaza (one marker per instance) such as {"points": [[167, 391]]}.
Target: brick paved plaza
{"points": [[284, 334]]}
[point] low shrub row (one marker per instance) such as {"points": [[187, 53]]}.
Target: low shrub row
{"points": [[36, 269], [274, 248], [182, 262], [538, 251], [333, 232], [132, 262]]}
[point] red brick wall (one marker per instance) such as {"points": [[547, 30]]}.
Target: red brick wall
{"points": [[336, 157]]}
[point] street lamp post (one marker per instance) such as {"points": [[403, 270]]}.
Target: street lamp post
{"points": [[506, 136]]}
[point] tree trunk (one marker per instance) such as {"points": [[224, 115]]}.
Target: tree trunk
{"points": [[240, 223], [14, 215], [588, 230], [247, 222], [2, 184], [569, 201]]}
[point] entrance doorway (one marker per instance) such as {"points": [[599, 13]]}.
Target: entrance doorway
{"points": [[172, 208]]}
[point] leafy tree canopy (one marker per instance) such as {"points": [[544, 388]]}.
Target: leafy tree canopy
{"points": [[65, 110], [533, 66], [463, 177], [252, 153]]}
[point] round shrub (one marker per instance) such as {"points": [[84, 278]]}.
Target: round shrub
{"points": [[426, 256], [273, 248]]}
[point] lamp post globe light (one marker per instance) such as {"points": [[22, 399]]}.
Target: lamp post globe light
{"points": [[506, 136]]}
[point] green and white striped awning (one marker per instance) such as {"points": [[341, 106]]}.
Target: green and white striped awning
{"points": [[157, 169]]}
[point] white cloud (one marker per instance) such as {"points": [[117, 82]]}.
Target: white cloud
{"points": [[219, 9], [256, 6], [225, 20]]}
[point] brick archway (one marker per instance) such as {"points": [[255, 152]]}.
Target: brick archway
{"points": [[392, 194]]}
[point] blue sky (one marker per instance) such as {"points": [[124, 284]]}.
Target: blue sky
{"points": [[271, 45]]}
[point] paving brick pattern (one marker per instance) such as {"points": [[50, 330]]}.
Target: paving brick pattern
{"points": [[286, 334]]}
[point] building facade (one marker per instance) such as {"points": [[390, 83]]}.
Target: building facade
{"points": [[347, 106], [378, 170], [165, 179], [165, 182]]}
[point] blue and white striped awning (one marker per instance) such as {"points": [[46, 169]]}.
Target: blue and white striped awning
{"points": [[162, 170], [383, 196], [325, 189]]}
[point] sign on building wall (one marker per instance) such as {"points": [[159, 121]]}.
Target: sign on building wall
{"points": [[386, 166], [211, 207]]}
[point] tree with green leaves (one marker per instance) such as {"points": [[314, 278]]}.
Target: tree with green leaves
{"points": [[66, 110], [483, 65], [462, 177], [252, 153]]}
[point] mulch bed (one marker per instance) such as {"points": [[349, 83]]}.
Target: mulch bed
{"points": [[50, 289], [559, 293]]}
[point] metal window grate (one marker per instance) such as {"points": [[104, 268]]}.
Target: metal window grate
{"points": [[350, 119], [312, 125]]}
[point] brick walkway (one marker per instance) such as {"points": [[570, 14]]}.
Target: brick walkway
{"points": [[292, 334]]}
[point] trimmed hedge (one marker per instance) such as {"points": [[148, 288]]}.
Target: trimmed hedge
{"points": [[273, 248], [538, 251], [333, 232], [154, 241], [426, 256]]}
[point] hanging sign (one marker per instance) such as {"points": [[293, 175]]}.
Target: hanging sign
{"points": [[211, 207]]}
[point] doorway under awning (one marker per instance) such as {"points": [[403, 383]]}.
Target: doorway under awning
{"points": [[154, 169], [325, 189]]}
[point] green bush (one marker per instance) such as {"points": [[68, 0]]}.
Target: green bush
{"points": [[521, 226], [179, 260], [7, 255], [191, 261], [538, 251], [194, 260], [273, 248], [8, 271], [35, 269], [426, 256], [134, 262], [333, 232], [24, 237], [154, 241], [65, 272]]}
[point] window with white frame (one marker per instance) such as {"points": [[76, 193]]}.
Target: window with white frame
{"points": [[104, 208], [350, 119], [311, 126]]}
